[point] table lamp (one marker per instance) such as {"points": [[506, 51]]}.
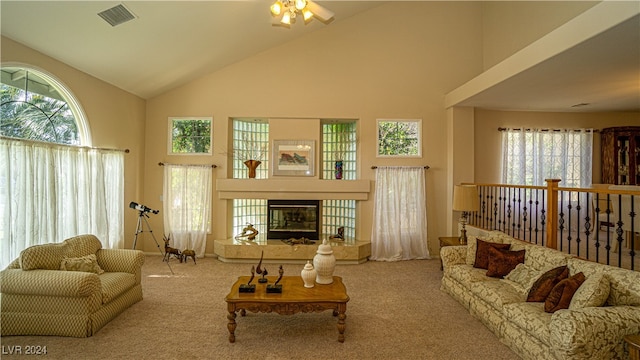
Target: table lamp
{"points": [[465, 199]]}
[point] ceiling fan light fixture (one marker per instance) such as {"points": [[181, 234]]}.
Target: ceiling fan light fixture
{"points": [[286, 18], [301, 4], [276, 8], [290, 9], [307, 14]]}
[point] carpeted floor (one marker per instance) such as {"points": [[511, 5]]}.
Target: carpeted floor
{"points": [[396, 311]]}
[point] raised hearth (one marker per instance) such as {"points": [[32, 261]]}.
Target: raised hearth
{"points": [[276, 251]]}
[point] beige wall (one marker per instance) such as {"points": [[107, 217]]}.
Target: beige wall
{"points": [[116, 118], [391, 62], [509, 26], [395, 61], [488, 138]]}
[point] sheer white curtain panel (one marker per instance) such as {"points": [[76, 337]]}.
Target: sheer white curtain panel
{"points": [[399, 215], [532, 155], [187, 206], [50, 192]]}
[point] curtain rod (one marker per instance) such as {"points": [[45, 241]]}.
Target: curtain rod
{"points": [[426, 167], [527, 129], [212, 165], [46, 143]]}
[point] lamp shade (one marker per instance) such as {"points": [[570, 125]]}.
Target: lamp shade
{"points": [[465, 198]]}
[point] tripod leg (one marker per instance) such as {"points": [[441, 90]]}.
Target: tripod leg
{"points": [[157, 244], [138, 231]]}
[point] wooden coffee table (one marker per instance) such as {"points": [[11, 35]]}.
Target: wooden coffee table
{"points": [[294, 298]]}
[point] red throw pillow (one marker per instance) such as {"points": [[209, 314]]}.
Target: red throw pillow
{"points": [[545, 283], [501, 262], [482, 252], [561, 294]]}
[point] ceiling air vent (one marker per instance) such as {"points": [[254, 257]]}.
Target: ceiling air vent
{"points": [[117, 15]]}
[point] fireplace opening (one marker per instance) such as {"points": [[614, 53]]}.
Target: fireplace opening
{"points": [[293, 219]]}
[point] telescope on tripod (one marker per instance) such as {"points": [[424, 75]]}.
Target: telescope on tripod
{"points": [[143, 214]]}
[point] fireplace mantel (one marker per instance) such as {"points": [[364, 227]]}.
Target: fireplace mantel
{"points": [[312, 189]]}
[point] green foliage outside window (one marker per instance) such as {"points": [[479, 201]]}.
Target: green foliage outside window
{"points": [[399, 138], [29, 115], [190, 136]]}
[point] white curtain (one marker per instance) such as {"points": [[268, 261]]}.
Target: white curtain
{"points": [[532, 155], [187, 206], [399, 215], [50, 192]]}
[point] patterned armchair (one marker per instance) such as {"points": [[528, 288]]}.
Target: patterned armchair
{"points": [[71, 288]]}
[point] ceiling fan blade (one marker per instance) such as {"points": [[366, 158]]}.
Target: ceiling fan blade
{"points": [[320, 12]]}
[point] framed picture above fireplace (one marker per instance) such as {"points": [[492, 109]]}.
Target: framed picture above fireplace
{"points": [[293, 157]]}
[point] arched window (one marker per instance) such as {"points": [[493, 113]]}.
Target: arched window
{"points": [[53, 184], [34, 105]]}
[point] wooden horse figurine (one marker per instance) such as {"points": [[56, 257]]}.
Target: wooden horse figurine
{"points": [[168, 250], [188, 253]]}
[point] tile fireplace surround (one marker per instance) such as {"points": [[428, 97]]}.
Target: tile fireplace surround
{"points": [[276, 251]]}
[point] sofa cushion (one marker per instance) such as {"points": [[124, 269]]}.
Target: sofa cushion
{"points": [[82, 245], [482, 252], [43, 257], [545, 283], [561, 294], [497, 293], [472, 246], [114, 284], [87, 263], [625, 287], [588, 268], [467, 274], [501, 262], [592, 293], [543, 258], [530, 317], [498, 236], [517, 244], [523, 277]]}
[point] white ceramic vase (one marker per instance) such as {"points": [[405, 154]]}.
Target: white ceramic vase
{"points": [[308, 275], [325, 263]]}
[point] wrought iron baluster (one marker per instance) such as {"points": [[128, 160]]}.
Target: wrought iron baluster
{"points": [[597, 224], [524, 216], [578, 208], [587, 225], [508, 225], [561, 219], [632, 252], [530, 214], [519, 213], [543, 217], [496, 210]]}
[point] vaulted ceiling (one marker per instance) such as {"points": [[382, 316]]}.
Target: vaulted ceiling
{"points": [[171, 43]]}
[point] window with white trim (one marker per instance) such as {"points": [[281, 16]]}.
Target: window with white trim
{"points": [[399, 138], [190, 136]]}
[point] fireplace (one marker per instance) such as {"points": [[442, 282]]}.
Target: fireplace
{"points": [[293, 219]]}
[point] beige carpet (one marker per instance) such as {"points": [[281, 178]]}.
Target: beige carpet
{"points": [[396, 311]]}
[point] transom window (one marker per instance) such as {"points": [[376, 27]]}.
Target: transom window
{"points": [[36, 106], [190, 136], [399, 138]]}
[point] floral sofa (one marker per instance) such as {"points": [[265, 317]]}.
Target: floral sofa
{"points": [[71, 288], [603, 308]]}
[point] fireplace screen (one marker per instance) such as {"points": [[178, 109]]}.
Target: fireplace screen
{"points": [[293, 219]]}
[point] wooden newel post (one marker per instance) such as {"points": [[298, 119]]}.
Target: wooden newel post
{"points": [[552, 213]]}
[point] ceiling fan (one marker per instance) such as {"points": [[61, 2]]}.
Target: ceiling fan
{"points": [[286, 11]]}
